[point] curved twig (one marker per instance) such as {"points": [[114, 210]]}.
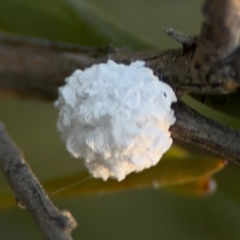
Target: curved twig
{"points": [[55, 224]]}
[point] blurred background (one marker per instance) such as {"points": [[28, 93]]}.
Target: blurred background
{"points": [[179, 210]]}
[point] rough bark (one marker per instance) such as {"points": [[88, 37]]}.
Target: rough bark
{"points": [[55, 224]]}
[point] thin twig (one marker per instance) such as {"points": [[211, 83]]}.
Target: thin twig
{"points": [[179, 36], [55, 224]]}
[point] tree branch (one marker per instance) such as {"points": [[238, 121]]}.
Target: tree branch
{"points": [[33, 68], [219, 39], [194, 128], [55, 224], [220, 31]]}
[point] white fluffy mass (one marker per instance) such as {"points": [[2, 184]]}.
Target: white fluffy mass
{"points": [[116, 117]]}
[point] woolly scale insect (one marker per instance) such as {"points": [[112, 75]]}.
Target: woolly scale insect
{"points": [[116, 117]]}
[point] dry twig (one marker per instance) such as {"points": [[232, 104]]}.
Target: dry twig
{"points": [[179, 36], [55, 224]]}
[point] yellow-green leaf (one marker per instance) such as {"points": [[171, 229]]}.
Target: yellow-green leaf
{"points": [[202, 187], [170, 171], [167, 172]]}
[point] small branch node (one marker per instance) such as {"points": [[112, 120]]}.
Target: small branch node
{"points": [[179, 36]]}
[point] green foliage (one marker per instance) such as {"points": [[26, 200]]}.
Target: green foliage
{"points": [[170, 171], [211, 109], [63, 20], [228, 104]]}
